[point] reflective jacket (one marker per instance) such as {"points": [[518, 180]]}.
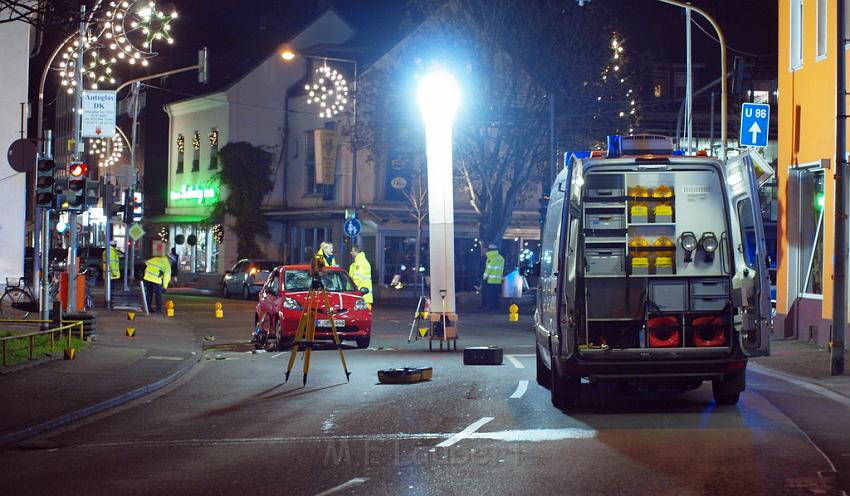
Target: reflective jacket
{"points": [[361, 272], [330, 261], [114, 264], [158, 271], [494, 267]]}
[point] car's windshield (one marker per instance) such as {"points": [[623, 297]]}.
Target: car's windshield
{"points": [[264, 265], [334, 280]]}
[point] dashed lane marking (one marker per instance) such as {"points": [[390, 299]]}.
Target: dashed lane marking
{"points": [[521, 388], [465, 433], [353, 482], [174, 358]]}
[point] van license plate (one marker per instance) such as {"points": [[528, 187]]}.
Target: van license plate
{"points": [[327, 323]]}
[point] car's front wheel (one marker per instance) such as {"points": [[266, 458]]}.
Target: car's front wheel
{"points": [[283, 343], [224, 291], [246, 293], [364, 342]]}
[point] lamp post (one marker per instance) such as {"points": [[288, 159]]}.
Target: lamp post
{"points": [[288, 55], [439, 96]]}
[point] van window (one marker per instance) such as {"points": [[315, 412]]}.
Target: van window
{"points": [[748, 231], [551, 238]]}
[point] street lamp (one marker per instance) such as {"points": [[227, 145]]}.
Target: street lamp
{"points": [[439, 97], [288, 55]]}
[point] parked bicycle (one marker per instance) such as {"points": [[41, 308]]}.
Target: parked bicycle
{"points": [[18, 300]]}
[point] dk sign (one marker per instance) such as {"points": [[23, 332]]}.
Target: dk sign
{"points": [[99, 109]]}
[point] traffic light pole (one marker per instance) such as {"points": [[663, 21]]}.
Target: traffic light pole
{"points": [[72, 218], [41, 273]]}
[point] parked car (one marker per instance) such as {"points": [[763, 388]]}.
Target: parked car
{"points": [[247, 277], [282, 302]]}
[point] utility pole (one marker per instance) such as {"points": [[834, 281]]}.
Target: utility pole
{"points": [[79, 67], [839, 279]]}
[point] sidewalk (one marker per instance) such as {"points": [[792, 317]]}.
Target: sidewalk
{"points": [[111, 370], [806, 362]]}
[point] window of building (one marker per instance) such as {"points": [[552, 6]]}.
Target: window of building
{"points": [[822, 15], [761, 96], [196, 152], [181, 153], [660, 83], [214, 149], [811, 230], [796, 35]]}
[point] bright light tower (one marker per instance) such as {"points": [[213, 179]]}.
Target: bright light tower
{"points": [[439, 98]]}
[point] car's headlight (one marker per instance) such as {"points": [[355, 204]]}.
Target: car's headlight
{"points": [[360, 304], [291, 304]]}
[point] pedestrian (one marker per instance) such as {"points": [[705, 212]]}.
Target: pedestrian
{"points": [[361, 272], [157, 277], [174, 260], [492, 278], [114, 263], [326, 250]]}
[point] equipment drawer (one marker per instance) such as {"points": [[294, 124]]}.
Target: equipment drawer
{"points": [[668, 296], [605, 221], [607, 262], [709, 287], [604, 192], [708, 303]]}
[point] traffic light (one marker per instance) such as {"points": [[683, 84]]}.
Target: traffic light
{"points": [[45, 182], [77, 186], [138, 207]]}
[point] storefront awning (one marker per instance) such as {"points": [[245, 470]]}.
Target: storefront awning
{"points": [[178, 219]]}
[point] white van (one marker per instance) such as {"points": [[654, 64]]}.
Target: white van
{"points": [[653, 271]]}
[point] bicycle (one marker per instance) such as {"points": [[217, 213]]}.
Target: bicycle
{"points": [[18, 301]]}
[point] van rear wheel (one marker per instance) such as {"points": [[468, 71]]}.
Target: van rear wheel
{"points": [[565, 389], [543, 374], [728, 391]]}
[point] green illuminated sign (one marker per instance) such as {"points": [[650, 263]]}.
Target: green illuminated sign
{"points": [[199, 193]]}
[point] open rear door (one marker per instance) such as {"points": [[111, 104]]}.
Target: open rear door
{"points": [[751, 281], [567, 250]]}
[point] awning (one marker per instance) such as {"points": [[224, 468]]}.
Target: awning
{"points": [[178, 219]]}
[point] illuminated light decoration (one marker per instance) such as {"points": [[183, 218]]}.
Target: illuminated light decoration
{"points": [[163, 234], [200, 194], [181, 144], [329, 92], [196, 141], [614, 80], [214, 137], [126, 32], [107, 156], [218, 234]]}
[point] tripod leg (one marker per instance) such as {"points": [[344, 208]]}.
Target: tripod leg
{"points": [[415, 319], [311, 331], [336, 337], [299, 337]]}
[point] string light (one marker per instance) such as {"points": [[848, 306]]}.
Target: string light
{"points": [[218, 234], [181, 144], [214, 137], [617, 84], [196, 141], [105, 154], [329, 91]]}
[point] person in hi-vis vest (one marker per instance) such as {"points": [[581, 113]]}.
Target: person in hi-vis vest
{"points": [[157, 277], [494, 266], [114, 271], [361, 272]]}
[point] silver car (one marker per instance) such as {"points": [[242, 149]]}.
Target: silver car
{"points": [[247, 277]]}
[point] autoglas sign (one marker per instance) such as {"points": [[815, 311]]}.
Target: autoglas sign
{"points": [[201, 194]]}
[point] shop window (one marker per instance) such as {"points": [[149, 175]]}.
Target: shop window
{"points": [[811, 231], [400, 259], [796, 36], [181, 153], [196, 152], [214, 149]]}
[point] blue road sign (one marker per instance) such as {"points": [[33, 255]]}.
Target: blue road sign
{"points": [[351, 228], [755, 122]]}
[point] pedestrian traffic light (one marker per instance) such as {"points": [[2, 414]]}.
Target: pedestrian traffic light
{"points": [[45, 182], [77, 186], [138, 207]]}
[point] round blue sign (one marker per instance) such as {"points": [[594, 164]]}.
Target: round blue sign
{"points": [[351, 228]]}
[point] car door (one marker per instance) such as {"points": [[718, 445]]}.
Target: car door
{"points": [[269, 300], [751, 281], [231, 279]]}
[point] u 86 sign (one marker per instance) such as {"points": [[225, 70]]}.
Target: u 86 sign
{"points": [[755, 123]]}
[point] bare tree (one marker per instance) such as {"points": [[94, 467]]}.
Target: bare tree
{"points": [[417, 197]]}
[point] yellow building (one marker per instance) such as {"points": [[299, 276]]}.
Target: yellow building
{"points": [[807, 134]]}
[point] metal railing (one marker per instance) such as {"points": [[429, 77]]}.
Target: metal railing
{"points": [[68, 325]]}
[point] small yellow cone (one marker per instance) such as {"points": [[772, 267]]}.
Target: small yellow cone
{"points": [[131, 315], [423, 331], [131, 332], [70, 353], [169, 308], [219, 313], [513, 317], [513, 308]]}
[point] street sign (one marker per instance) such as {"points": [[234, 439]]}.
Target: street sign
{"points": [[99, 111], [136, 231], [352, 228], [755, 123]]}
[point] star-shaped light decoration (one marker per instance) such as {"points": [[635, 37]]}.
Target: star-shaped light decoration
{"points": [[329, 91]]}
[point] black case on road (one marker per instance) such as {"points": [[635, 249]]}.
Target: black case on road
{"points": [[482, 355]]}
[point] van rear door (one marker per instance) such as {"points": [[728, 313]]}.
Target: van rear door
{"points": [[749, 254]]}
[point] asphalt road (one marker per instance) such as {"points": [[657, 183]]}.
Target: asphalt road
{"points": [[233, 426]]}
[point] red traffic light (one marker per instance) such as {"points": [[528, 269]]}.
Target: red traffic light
{"points": [[78, 169]]}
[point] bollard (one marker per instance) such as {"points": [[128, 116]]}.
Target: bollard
{"points": [[513, 313], [70, 353], [219, 313], [169, 308], [131, 315], [131, 332]]}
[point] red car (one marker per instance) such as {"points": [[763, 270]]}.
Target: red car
{"points": [[282, 301]]}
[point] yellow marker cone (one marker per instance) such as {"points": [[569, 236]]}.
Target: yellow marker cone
{"points": [[513, 313], [423, 331], [131, 315], [169, 308], [131, 332], [70, 353], [219, 313]]}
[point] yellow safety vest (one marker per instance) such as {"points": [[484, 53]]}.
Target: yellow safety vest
{"points": [[361, 272], [114, 264], [494, 267], [329, 262], [158, 271]]}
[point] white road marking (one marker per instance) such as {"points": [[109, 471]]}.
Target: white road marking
{"points": [[329, 423], [516, 363], [353, 482], [279, 354], [465, 433], [521, 388], [537, 435], [174, 358]]}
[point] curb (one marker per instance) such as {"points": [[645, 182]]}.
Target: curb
{"points": [[137, 393], [802, 382]]}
